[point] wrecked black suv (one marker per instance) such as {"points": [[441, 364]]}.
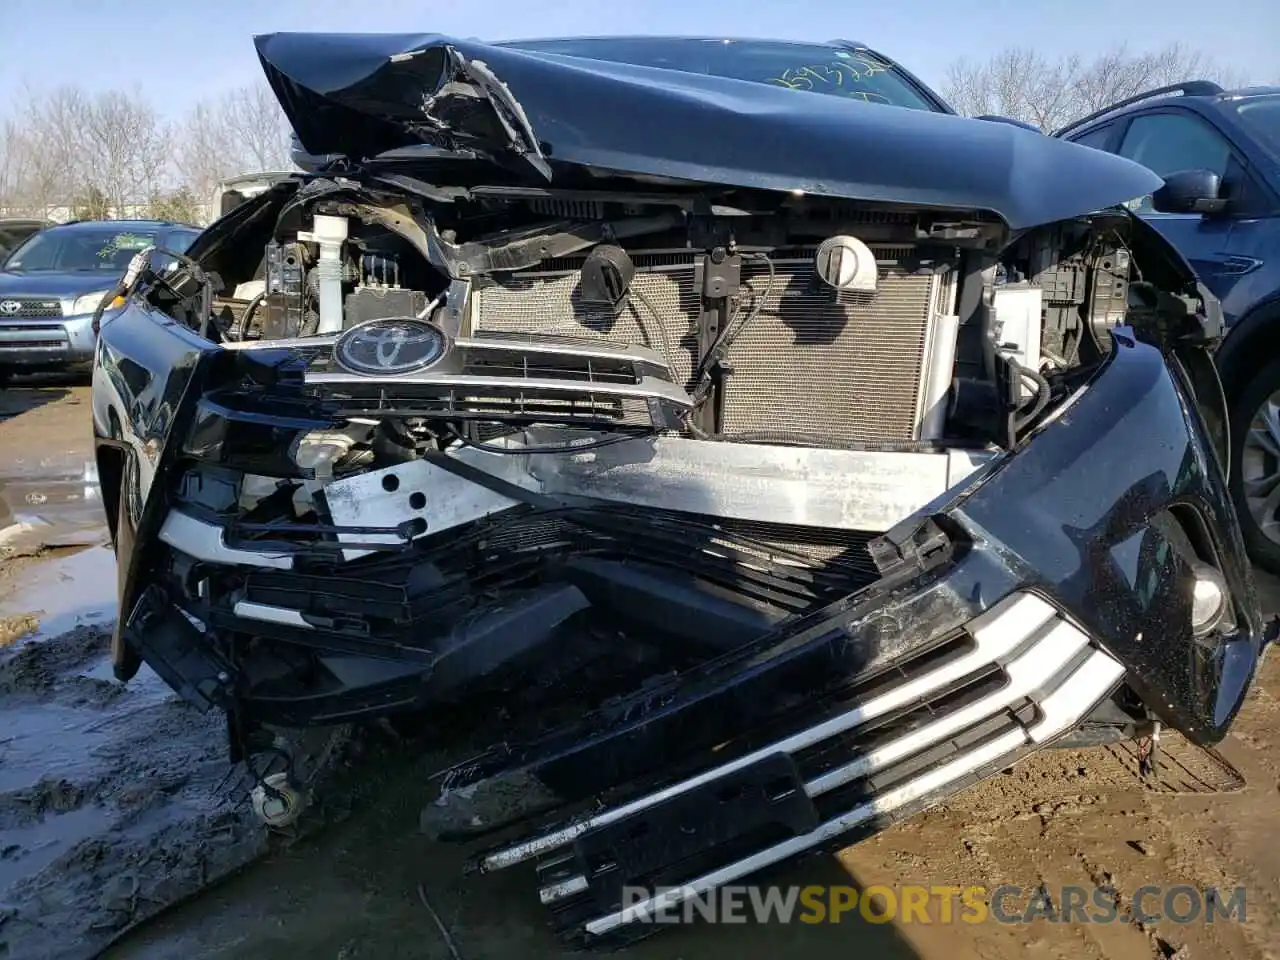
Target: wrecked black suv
{"points": [[749, 450]]}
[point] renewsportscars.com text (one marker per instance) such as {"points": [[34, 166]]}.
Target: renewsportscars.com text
{"points": [[1006, 903]]}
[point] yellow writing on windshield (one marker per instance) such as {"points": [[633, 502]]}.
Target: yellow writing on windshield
{"points": [[847, 73]]}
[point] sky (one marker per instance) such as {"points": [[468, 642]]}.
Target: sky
{"points": [[182, 50]]}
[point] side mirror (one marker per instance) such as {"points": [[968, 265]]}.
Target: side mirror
{"points": [[1190, 191], [996, 118]]}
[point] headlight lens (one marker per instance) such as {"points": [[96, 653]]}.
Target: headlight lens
{"points": [[89, 302], [1209, 600]]}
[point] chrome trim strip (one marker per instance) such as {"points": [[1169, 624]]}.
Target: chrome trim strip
{"points": [[912, 790], [270, 614], [1033, 668], [1065, 706], [1036, 666], [207, 541]]}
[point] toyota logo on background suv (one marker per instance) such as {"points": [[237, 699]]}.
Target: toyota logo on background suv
{"points": [[10, 308], [387, 348]]}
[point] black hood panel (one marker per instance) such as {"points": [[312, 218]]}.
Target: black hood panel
{"points": [[360, 95]]}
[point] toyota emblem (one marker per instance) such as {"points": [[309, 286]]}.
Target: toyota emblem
{"points": [[9, 307], [390, 347]]}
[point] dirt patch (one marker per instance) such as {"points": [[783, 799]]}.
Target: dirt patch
{"points": [[1063, 818], [113, 800], [118, 801], [38, 667], [13, 629]]}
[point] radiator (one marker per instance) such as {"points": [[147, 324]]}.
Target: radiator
{"points": [[839, 367]]}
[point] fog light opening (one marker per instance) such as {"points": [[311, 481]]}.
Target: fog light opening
{"points": [[318, 451], [1209, 599]]}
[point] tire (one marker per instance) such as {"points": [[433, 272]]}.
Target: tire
{"points": [[1255, 465], [6, 375]]}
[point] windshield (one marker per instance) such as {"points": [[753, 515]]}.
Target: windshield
{"points": [[1262, 116], [70, 250], [813, 67]]}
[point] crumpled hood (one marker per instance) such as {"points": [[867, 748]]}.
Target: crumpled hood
{"points": [[364, 94]]}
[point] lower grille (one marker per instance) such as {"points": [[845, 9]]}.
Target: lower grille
{"points": [[32, 344], [1020, 677], [838, 367]]}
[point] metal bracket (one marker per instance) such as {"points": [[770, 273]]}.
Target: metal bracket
{"points": [[919, 550]]}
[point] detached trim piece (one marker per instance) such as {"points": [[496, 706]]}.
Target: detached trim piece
{"points": [[1066, 706], [268, 613], [207, 541], [1043, 659]]}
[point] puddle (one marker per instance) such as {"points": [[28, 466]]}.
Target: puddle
{"points": [[114, 798], [66, 592], [60, 508]]}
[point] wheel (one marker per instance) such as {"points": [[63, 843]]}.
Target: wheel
{"points": [[1255, 465], [6, 375]]}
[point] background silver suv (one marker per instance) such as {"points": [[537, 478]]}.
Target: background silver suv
{"points": [[52, 283]]}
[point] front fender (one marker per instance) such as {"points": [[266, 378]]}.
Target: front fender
{"points": [[146, 367], [1086, 504]]}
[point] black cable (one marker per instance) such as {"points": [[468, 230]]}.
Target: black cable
{"points": [[1043, 394], [247, 315], [119, 290], [731, 330], [657, 316], [197, 274]]}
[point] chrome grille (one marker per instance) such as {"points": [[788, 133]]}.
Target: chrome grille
{"points": [[29, 307], [839, 367]]}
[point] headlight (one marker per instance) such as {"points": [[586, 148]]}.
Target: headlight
{"points": [[89, 302], [1209, 600]]}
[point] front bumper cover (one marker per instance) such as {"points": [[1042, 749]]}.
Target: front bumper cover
{"points": [[41, 342], [1049, 578], [1023, 676]]}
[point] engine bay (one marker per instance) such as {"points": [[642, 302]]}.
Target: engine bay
{"points": [[774, 319], [470, 426]]}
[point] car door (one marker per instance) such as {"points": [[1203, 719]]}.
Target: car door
{"points": [[1170, 139]]}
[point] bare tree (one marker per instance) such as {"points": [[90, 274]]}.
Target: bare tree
{"points": [[45, 136], [256, 121], [124, 148], [1024, 84], [13, 159], [242, 131], [202, 150]]}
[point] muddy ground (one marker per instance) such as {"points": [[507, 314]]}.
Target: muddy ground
{"points": [[116, 801]]}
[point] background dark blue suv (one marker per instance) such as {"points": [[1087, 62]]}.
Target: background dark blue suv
{"points": [[1219, 152]]}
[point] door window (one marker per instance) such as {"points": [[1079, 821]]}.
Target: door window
{"points": [[1097, 137], [1169, 142]]}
